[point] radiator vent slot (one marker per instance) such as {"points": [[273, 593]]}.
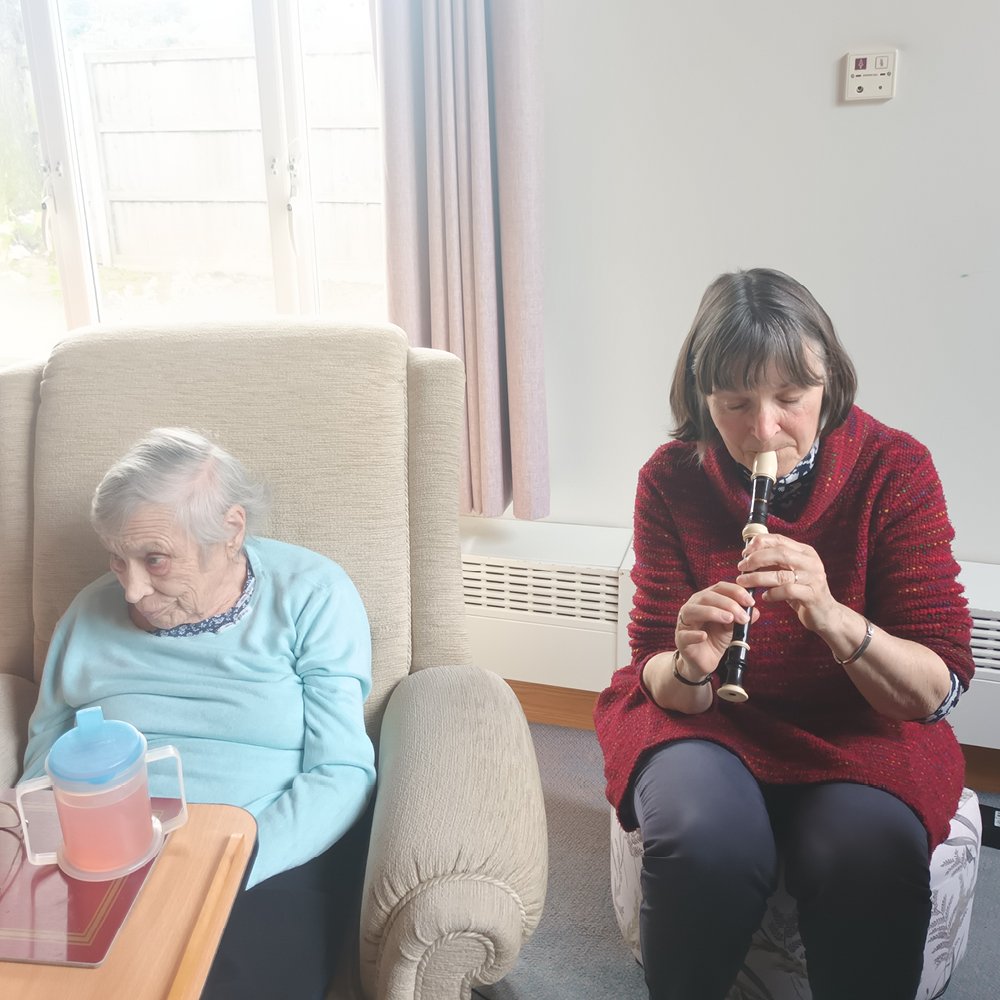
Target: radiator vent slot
{"points": [[541, 589], [986, 639]]}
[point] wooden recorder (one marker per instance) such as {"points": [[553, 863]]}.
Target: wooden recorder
{"points": [[763, 475]]}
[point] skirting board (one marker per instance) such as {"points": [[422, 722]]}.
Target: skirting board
{"points": [[559, 706], [982, 768], [555, 706]]}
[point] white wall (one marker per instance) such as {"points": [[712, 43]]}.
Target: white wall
{"points": [[685, 139]]}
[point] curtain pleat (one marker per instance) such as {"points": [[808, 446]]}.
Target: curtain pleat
{"points": [[448, 112], [519, 123]]}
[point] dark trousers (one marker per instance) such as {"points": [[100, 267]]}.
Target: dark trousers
{"points": [[855, 860], [285, 935]]}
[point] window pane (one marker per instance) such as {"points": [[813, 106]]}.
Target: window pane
{"points": [[345, 156], [167, 120], [30, 302]]}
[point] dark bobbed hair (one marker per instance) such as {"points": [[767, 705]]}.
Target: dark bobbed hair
{"points": [[746, 321]]}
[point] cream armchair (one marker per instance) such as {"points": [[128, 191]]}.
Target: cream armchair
{"points": [[360, 437]]}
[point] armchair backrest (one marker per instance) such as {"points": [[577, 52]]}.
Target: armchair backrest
{"points": [[358, 435]]}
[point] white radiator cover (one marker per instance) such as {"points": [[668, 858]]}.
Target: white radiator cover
{"points": [[976, 718], [549, 603]]}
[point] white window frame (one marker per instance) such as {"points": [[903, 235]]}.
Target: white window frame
{"points": [[62, 204], [285, 135]]}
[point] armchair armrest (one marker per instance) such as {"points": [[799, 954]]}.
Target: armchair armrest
{"points": [[17, 701], [458, 860]]}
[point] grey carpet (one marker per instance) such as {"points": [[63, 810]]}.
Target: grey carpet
{"points": [[577, 952]]}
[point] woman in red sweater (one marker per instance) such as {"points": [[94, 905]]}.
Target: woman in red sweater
{"points": [[839, 761]]}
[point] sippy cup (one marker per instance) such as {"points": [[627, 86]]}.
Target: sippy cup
{"points": [[97, 773]]}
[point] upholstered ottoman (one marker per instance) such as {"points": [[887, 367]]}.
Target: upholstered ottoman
{"points": [[775, 966]]}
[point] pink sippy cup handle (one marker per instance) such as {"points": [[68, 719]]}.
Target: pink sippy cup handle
{"points": [[24, 788]]}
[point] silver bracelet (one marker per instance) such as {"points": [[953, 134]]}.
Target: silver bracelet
{"points": [[859, 652], [684, 680]]}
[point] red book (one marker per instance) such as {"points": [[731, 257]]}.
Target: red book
{"points": [[46, 916]]}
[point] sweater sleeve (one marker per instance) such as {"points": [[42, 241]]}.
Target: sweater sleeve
{"points": [[660, 573], [912, 589], [338, 761]]}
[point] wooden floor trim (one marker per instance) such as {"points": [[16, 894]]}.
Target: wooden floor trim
{"points": [[559, 706], [982, 768], [556, 706]]}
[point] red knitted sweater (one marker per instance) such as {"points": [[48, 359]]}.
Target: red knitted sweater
{"points": [[876, 516]]}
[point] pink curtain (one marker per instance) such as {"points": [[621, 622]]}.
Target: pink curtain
{"points": [[461, 96]]}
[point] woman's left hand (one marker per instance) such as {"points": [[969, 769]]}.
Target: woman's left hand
{"points": [[785, 570]]}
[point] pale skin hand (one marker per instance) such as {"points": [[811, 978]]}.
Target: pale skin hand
{"points": [[899, 678], [704, 629]]}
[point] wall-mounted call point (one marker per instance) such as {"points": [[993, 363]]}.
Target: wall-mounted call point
{"points": [[870, 76]]}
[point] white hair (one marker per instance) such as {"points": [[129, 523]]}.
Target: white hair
{"points": [[181, 469]]}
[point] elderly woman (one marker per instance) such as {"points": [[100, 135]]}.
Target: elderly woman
{"points": [[253, 657], [839, 760]]}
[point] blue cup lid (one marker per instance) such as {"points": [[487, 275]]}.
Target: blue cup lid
{"points": [[96, 751]]}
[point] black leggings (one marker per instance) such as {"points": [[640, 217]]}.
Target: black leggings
{"points": [[285, 935], [855, 860]]}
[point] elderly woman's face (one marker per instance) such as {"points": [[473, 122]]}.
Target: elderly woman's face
{"points": [[775, 416], [166, 580]]}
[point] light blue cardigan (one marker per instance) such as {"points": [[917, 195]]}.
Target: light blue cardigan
{"points": [[267, 714]]}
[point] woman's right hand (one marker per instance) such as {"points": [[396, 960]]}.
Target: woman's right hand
{"points": [[705, 626]]}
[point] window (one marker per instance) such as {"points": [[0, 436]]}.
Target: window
{"points": [[170, 159], [30, 295]]}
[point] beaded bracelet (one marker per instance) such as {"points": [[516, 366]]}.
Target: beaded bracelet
{"points": [[684, 680], [859, 652]]}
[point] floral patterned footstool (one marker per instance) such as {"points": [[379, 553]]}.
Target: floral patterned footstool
{"points": [[775, 966]]}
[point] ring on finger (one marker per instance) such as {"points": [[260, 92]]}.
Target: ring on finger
{"points": [[795, 576], [680, 620]]}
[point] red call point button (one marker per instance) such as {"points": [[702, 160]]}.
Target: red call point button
{"points": [[861, 63]]}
